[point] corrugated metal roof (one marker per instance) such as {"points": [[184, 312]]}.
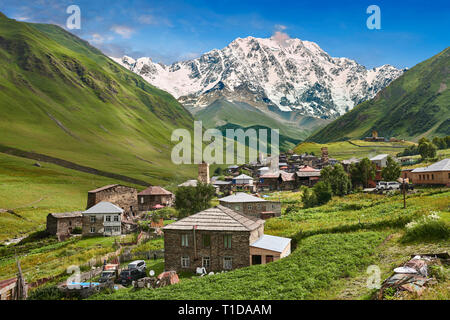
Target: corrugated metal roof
{"points": [[189, 183], [241, 197], [308, 174], [379, 157], [154, 190], [272, 243], [104, 207], [443, 165], [243, 177], [75, 214], [218, 218]]}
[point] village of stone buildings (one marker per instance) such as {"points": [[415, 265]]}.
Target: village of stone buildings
{"points": [[224, 237]]}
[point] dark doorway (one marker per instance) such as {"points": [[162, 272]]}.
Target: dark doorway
{"points": [[269, 259], [256, 259]]}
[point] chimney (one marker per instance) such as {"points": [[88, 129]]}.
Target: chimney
{"points": [[203, 172]]}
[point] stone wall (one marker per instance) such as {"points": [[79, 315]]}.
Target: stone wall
{"points": [[122, 196], [63, 226], [239, 252], [87, 224]]}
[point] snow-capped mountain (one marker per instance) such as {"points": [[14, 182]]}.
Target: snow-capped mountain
{"points": [[288, 75]]}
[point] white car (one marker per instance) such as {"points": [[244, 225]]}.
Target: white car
{"points": [[138, 264], [391, 185]]}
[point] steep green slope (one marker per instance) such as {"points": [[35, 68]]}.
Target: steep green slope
{"points": [[61, 97], [414, 105]]}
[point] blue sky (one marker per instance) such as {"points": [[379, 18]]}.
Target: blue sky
{"points": [[171, 30]]}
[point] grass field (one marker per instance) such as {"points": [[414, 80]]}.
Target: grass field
{"points": [[48, 258], [34, 192], [345, 150], [334, 245]]}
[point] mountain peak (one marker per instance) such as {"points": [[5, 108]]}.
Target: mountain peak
{"points": [[278, 72]]}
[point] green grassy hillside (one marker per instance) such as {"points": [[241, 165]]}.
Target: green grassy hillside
{"points": [[63, 98], [342, 150], [222, 112], [414, 105]]}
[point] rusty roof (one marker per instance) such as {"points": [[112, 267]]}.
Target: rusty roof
{"points": [[7, 282], [218, 218], [154, 190]]}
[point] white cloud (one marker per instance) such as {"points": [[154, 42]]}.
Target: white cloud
{"points": [[280, 36], [150, 19], [124, 31]]}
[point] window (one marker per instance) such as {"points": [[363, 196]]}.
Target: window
{"points": [[92, 219], [108, 229], [432, 176], [258, 206], [70, 223], [185, 262], [206, 262], [142, 200], [92, 229], [184, 240], [206, 240], [108, 218], [116, 229], [227, 241], [116, 218], [237, 208], [249, 207], [228, 263]]}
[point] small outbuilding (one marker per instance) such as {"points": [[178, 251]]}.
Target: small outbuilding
{"points": [[63, 224], [268, 249], [153, 196]]}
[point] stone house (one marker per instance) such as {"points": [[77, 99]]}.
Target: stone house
{"points": [[252, 206], [436, 174], [63, 224], [216, 239], [307, 176], [103, 219], [122, 196], [153, 196]]}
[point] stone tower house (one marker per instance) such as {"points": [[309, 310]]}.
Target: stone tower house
{"points": [[203, 173]]}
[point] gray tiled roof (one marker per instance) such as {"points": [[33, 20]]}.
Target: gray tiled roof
{"points": [[271, 243], [308, 173], [443, 165], [218, 218], [104, 207], [241, 197]]}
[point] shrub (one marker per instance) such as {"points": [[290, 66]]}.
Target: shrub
{"points": [[323, 192], [77, 230], [46, 293], [429, 228]]}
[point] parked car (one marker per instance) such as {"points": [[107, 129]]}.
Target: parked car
{"points": [[391, 185], [127, 276], [138, 264], [108, 275]]}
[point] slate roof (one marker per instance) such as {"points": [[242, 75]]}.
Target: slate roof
{"points": [[75, 214], [443, 165], [104, 207], [272, 243], [103, 188], [218, 218], [241, 197], [154, 191]]}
